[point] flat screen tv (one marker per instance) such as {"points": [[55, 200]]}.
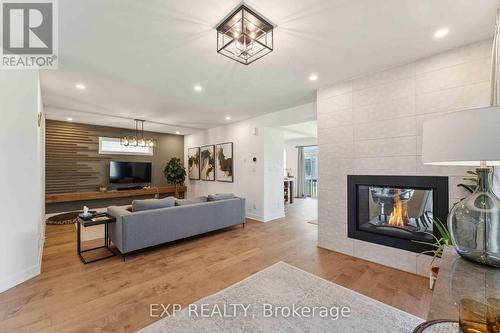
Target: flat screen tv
{"points": [[129, 172]]}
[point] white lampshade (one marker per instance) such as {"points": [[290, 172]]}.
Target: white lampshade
{"points": [[463, 138]]}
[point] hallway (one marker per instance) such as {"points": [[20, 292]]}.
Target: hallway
{"points": [[305, 209]]}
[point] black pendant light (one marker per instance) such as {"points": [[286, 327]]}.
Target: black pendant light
{"points": [[244, 36]]}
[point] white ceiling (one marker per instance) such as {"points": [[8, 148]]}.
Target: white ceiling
{"points": [[305, 130], [140, 59]]}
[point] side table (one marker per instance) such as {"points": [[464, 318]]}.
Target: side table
{"points": [[97, 219]]}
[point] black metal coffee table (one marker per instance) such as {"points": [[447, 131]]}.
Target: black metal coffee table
{"points": [[97, 219]]}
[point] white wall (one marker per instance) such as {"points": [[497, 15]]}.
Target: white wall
{"points": [[22, 181], [248, 175], [252, 180], [373, 125], [274, 143], [261, 182], [41, 158]]}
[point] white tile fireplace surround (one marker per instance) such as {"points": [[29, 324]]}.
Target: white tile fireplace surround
{"points": [[372, 125]]}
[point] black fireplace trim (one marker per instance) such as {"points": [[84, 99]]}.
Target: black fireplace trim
{"points": [[440, 206]]}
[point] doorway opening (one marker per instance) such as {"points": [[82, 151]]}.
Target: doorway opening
{"points": [[300, 158]]}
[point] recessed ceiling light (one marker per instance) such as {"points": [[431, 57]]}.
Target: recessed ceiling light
{"points": [[177, 132], [69, 119], [228, 118], [197, 88], [441, 33], [313, 77], [80, 86]]}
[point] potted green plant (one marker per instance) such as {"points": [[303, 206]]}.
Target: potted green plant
{"points": [[442, 239], [175, 173]]}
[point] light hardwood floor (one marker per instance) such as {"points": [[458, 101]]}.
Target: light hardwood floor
{"points": [[114, 296]]}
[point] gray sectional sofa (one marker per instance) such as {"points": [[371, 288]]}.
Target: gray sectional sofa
{"points": [[136, 230]]}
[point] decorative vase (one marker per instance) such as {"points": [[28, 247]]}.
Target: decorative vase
{"points": [[474, 223]]}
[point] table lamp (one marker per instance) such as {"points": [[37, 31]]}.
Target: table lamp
{"points": [[470, 138]]}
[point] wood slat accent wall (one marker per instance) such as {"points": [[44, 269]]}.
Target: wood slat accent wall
{"points": [[73, 162]]}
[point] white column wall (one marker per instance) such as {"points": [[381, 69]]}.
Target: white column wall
{"points": [[21, 177], [372, 125]]}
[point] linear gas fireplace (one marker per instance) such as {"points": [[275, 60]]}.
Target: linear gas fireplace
{"points": [[396, 211]]}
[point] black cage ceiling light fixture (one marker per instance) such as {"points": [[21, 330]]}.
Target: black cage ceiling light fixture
{"points": [[138, 140], [244, 36]]}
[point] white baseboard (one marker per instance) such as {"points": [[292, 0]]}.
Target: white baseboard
{"points": [[254, 217], [275, 216], [266, 218], [20, 277]]}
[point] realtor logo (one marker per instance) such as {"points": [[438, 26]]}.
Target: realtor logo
{"points": [[29, 34]]}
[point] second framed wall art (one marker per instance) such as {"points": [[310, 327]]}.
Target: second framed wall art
{"points": [[207, 163]]}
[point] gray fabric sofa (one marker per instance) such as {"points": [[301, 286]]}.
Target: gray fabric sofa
{"points": [[138, 230]]}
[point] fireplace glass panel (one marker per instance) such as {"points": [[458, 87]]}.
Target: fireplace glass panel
{"points": [[400, 212]]}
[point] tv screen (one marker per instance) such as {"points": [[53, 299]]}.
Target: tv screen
{"points": [[129, 172]]}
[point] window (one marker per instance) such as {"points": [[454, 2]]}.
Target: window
{"points": [[311, 171], [311, 162], [112, 146]]}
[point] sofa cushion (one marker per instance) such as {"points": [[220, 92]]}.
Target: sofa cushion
{"points": [[139, 205], [184, 202], [220, 196]]}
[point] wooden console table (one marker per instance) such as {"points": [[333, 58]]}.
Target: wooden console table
{"points": [[86, 196], [457, 279]]}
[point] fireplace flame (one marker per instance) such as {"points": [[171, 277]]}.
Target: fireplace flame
{"points": [[399, 216]]}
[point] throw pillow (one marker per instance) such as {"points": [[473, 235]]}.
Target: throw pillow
{"points": [[220, 196], [140, 205], [184, 202]]}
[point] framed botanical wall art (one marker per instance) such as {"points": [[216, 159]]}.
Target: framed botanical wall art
{"points": [[207, 163], [194, 163], [224, 171]]}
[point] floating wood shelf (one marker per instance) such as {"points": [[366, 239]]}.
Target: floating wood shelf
{"points": [[84, 196]]}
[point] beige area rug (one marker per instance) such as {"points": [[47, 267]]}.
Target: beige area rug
{"points": [[284, 285], [315, 221]]}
